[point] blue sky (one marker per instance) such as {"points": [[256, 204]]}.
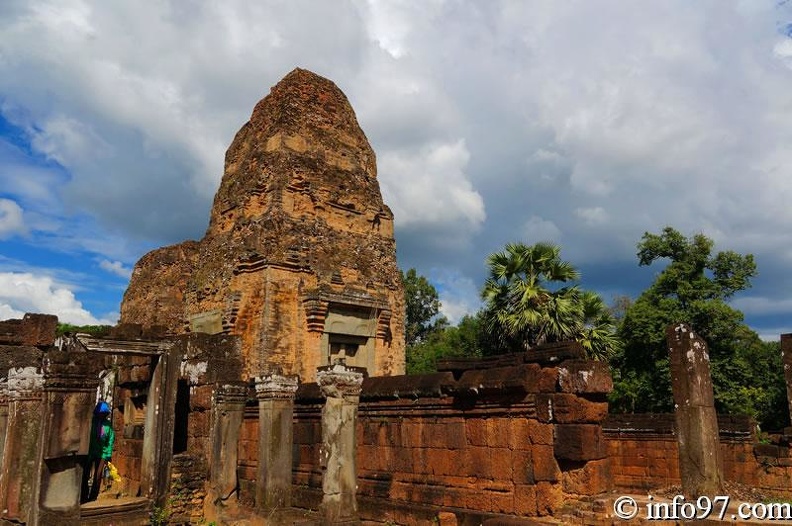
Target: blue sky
{"points": [[585, 123]]}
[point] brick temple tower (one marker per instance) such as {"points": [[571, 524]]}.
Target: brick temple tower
{"points": [[299, 259]]}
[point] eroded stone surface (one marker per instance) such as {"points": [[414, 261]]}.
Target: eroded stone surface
{"points": [[700, 462], [341, 385], [299, 258]]}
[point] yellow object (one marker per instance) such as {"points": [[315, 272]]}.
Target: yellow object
{"points": [[113, 472]]}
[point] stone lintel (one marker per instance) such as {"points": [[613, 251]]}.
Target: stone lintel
{"points": [[70, 383], [25, 383], [230, 394], [276, 386], [348, 298], [123, 347], [340, 380]]}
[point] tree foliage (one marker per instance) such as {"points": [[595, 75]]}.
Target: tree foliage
{"points": [[694, 287], [427, 333], [422, 308], [93, 330], [531, 298], [462, 340]]}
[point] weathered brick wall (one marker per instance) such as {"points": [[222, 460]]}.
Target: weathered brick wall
{"points": [[187, 489], [208, 362], [189, 469], [644, 454], [496, 437], [127, 457]]}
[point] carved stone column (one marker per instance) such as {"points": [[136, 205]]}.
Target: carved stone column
{"points": [[341, 386], [275, 395], [227, 413], [786, 357], [700, 464], [19, 478]]}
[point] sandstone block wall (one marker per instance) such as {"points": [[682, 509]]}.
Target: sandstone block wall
{"points": [[513, 439], [644, 454]]}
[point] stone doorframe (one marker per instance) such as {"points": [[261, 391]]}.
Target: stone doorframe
{"points": [[159, 429]]}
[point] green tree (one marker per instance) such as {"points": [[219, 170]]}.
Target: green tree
{"points": [[462, 340], [598, 332], [694, 287], [422, 308], [531, 299]]}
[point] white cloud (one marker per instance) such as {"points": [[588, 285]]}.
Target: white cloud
{"points": [[783, 51], [459, 294], [11, 220], [22, 292], [592, 216], [115, 267], [537, 229], [8, 313], [430, 186]]}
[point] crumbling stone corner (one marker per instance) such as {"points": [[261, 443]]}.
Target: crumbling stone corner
{"points": [[341, 386], [275, 394]]}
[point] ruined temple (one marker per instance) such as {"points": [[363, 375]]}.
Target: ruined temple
{"points": [[299, 259], [297, 268]]}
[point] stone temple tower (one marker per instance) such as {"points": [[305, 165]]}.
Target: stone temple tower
{"points": [[299, 259]]}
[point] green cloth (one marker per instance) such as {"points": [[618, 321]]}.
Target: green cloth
{"points": [[102, 438]]}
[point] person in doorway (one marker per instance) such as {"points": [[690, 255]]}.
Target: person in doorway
{"points": [[100, 451]]}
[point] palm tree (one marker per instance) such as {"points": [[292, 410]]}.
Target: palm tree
{"points": [[527, 307], [520, 299], [598, 334]]}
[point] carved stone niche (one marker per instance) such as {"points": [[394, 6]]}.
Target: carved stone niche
{"points": [[350, 334]]}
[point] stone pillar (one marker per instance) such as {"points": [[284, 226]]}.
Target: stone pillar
{"points": [[341, 386], [786, 357], [155, 470], [70, 381], [3, 416], [700, 464], [275, 395], [19, 478], [227, 413]]}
